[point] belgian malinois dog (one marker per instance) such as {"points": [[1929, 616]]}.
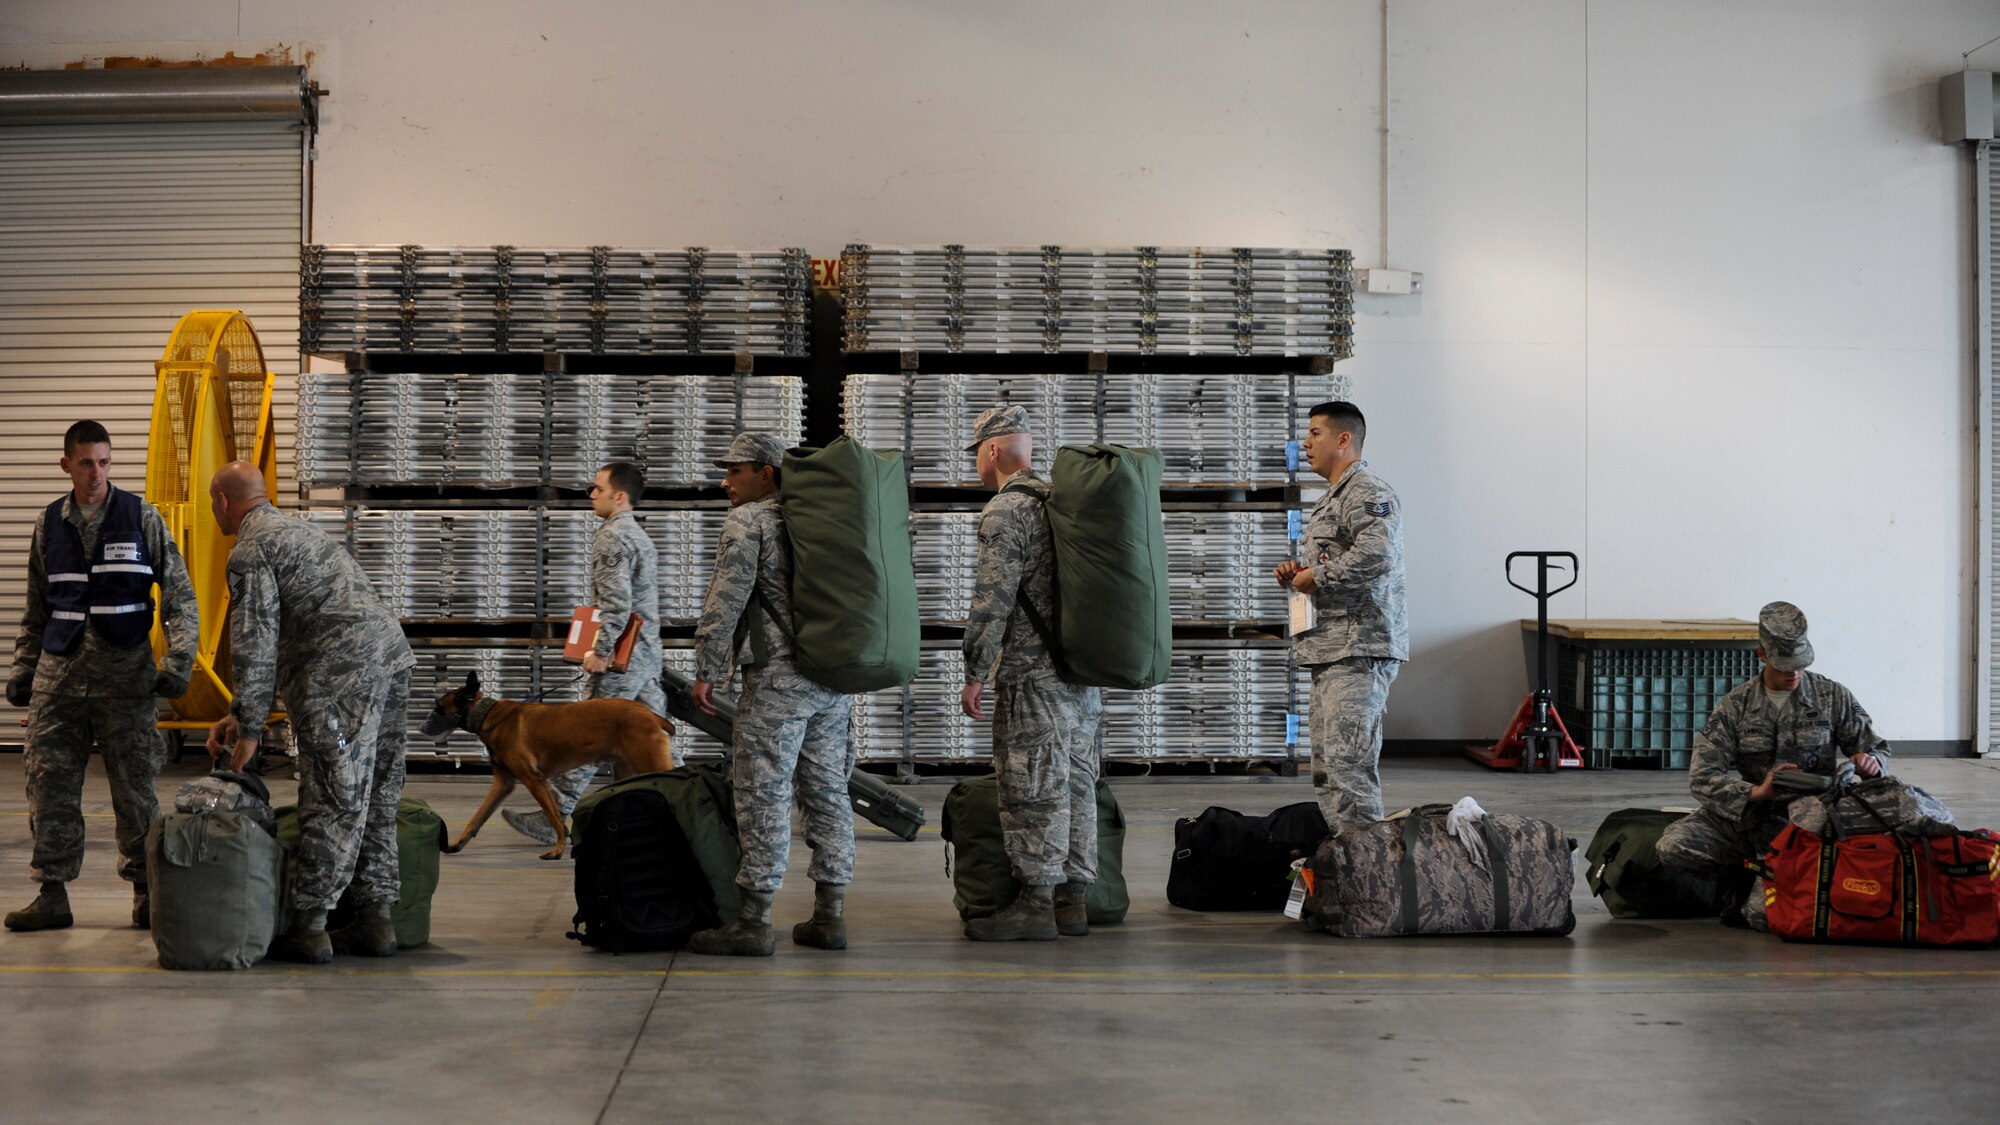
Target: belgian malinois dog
{"points": [[533, 743]]}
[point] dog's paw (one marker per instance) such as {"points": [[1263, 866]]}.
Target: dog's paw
{"points": [[556, 854]]}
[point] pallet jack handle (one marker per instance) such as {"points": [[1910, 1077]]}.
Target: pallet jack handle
{"points": [[1542, 593]]}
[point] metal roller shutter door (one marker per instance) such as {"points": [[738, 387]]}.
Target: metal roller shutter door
{"points": [[108, 233]]}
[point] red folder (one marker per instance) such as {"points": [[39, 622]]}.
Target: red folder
{"points": [[584, 625]]}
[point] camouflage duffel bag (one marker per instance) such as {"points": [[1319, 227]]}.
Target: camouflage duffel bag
{"points": [[1410, 875]]}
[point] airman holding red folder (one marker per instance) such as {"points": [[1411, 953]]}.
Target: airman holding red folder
{"points": [[619, 634]]}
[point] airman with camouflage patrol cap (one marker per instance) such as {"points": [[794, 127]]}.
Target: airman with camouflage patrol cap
{"points": [[1360, 637], [791, 732], [1044, 728], [1786, 719]]}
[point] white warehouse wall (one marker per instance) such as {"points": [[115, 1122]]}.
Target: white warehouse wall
{"points": [[1697, 280]]}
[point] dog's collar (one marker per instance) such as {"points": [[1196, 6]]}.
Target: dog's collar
{"points": [[475, 716]]}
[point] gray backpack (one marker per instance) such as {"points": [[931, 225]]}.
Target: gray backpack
{"points": [[214, 868]]}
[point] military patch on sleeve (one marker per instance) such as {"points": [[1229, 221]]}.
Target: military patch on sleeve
{"points": [[1378, 507]]}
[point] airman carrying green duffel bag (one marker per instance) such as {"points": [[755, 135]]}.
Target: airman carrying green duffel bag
{"points": [[420, 841], [982, 878]]}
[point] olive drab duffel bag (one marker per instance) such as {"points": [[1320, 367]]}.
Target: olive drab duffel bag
{"points": [[854, 621], [976, 858], [1410, 875], [420, 841], [1114, 624], [1625, 871], [656, 857], [215, 871]]}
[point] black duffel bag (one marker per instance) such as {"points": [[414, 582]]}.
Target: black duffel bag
{"points": [[1224, 860]]}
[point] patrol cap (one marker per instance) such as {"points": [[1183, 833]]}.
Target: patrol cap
{"points": [[755, 449], [1781, 629], [998, 422]]}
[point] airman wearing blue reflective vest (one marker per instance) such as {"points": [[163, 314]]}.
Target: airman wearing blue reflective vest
{"points": [[83, 665]]}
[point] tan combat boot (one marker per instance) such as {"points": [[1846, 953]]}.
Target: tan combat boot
{"points": [[749, 935], [1072, 915], [49, 911], [1030, 917], [370, 934], [828, 928], [306, 942]]}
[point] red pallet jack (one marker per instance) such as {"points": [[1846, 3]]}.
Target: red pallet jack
{"points": [[1537, 738]]}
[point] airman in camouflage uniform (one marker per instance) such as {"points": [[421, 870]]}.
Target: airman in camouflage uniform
{"points": [[1353, 571], [624, 580], [1785, 719], [791, 732], [96, 682], [1045, 745], [305, 623]]}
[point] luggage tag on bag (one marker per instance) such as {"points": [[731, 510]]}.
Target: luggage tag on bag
{"points": [[1302, 879], [1303, 614]]}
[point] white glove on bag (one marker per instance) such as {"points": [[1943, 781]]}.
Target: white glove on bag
{"points": [[1463, 822]]}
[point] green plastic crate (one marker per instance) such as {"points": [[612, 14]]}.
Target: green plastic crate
{"points": [[1640, 704]]}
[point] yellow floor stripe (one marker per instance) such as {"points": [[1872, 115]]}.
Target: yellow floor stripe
{"points": [[1182, 976]]}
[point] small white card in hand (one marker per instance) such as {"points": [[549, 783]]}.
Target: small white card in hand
{"points": [[1304, 615]]}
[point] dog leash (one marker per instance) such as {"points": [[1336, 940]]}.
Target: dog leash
{"points": [[543, 694]]}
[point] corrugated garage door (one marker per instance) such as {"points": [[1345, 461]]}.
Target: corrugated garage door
{"points": [[108, 233]]}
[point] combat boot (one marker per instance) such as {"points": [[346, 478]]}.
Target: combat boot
{"points": [[1030, 917], [49, 911], [142, 906], [1072, 916], [828, 928], [371, 934], [533, 825], [306, 942], [748, 936]]}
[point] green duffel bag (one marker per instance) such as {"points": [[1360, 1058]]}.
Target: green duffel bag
{"points": [[215, 880], [1114, 625], [704, 804], [1625, 871], [420, 841], [854, 588], [982, 878]]}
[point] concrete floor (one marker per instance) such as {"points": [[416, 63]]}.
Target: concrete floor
{"points": [[1171, 1016]]}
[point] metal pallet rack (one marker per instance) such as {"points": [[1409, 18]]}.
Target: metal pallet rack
{"points": [[1209, 356]]}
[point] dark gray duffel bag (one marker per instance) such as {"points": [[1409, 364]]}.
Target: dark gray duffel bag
{"points": [[214, 879], [1412, 876]]}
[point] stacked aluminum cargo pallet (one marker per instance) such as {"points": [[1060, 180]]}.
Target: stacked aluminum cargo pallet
{"points": [[1224, 702], [1230, 431], [1218, 426], [1218, 564], [498, 431], [599, 300], [454, 554], [470, 565], [1140, 300]]}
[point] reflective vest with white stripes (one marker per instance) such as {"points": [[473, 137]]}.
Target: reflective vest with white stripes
{"points": [[112, 589]]}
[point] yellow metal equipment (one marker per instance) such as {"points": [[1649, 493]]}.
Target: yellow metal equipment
{"points": [[212, 406]]}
